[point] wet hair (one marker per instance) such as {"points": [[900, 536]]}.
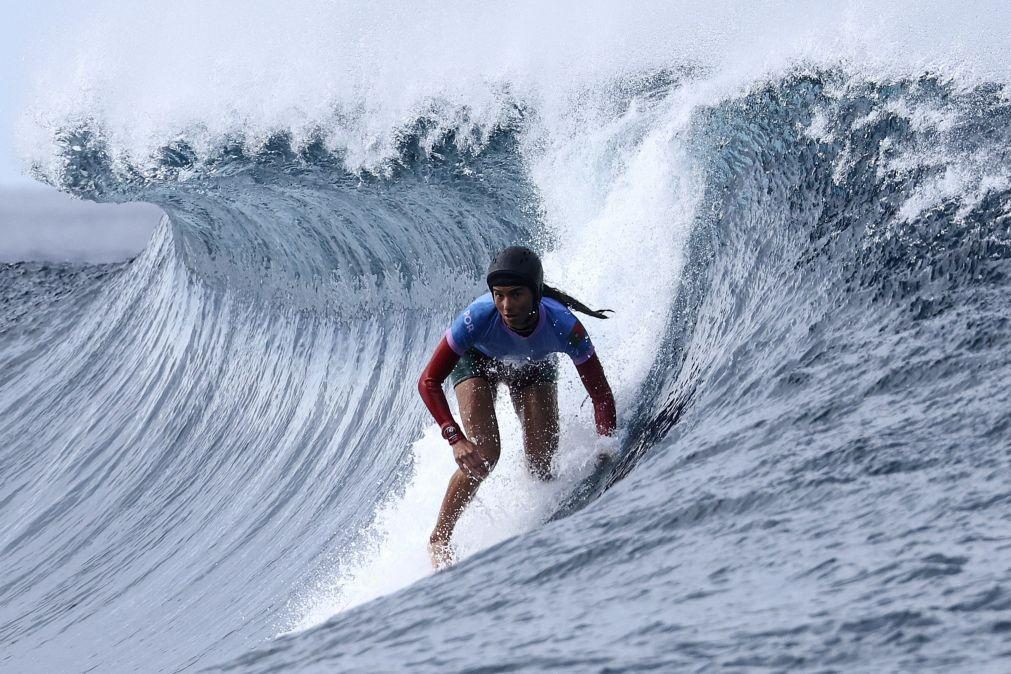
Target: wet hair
{"points": [[572, 303]]}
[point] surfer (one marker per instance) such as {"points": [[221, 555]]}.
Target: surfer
{"points": [[510, 336]]}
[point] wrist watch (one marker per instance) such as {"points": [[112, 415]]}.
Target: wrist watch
{"points": [[451, 433]]}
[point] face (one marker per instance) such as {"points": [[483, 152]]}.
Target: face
{"points": [[516, 306]]}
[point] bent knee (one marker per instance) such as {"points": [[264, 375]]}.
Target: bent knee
{"points": [[491, 460]]}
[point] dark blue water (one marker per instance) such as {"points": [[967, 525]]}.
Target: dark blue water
{"points": [[203, 446]]}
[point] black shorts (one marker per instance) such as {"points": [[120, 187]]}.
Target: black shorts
{"points": [[473, 363]]}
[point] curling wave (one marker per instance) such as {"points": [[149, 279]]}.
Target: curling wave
{"points": [[221, 442]]}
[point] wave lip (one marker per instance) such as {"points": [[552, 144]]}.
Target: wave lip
{"points": [[350, 78]]}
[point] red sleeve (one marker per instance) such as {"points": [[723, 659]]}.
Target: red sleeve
{"points": [[592, 374], [430, 386]]}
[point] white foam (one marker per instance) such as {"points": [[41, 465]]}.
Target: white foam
{"points": [[149, 73], [393, 552]]}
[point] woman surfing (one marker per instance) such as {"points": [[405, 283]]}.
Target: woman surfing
{"points": [[510, 336]]}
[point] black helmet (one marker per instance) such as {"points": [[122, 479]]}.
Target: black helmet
{"points": [[517, 266]]}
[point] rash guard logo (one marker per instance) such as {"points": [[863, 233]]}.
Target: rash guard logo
{"points": [[577, 338]]}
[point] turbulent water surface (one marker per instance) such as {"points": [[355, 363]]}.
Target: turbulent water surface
{"points": [[213, 456]]}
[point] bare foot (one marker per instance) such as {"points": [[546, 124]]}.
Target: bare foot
{"points": [[441, 554]]}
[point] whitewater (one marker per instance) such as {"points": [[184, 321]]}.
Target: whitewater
{"points": [[213, 456]]}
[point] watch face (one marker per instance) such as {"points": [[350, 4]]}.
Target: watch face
{"points": [[449, 431]]}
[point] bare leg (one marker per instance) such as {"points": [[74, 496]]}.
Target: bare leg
{"points": [[537, 408], [477, 408]]}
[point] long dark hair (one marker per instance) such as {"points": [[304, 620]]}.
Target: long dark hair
{"points": [[572, 303]]}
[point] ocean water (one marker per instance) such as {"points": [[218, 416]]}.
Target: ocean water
{"points": [[213, 456]]}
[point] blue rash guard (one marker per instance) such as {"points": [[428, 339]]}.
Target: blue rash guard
{"points": [[558, 331]]}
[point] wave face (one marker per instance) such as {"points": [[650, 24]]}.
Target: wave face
{"points": [[214, 456]]}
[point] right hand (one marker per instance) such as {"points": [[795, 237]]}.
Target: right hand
{"points": [[470, 459], [606, 447]]}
